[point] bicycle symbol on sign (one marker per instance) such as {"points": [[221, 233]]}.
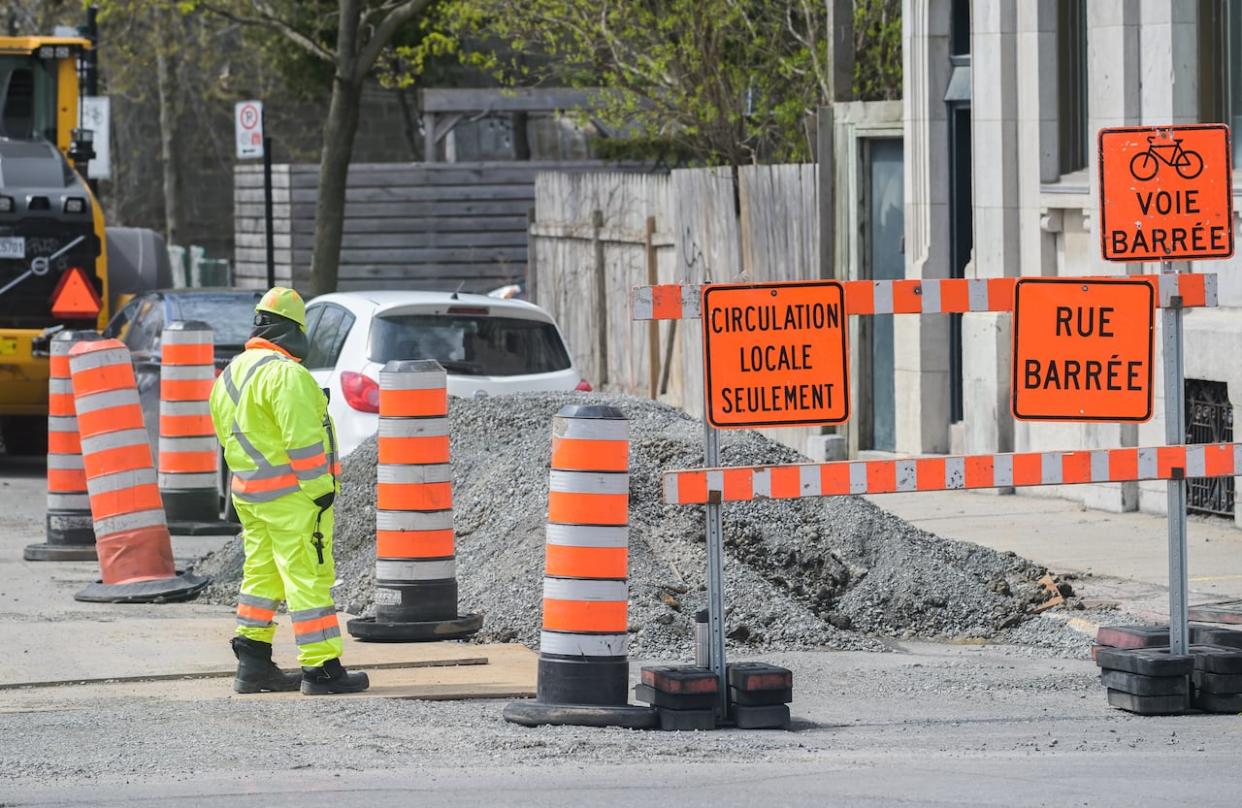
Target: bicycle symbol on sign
{"points": [[1146, 164]]}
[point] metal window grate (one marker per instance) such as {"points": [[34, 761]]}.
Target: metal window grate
{"points": [[1209, 419]]}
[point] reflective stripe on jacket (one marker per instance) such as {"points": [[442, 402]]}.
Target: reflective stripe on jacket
{"points": [[272, 419]]}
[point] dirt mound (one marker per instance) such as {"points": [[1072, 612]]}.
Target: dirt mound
{"points": [[836, 572]]}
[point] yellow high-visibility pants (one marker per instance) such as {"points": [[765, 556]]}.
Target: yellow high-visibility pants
{"points": [[284, 563]]}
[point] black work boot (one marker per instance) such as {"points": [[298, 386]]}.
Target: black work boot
{"points": [[256, 673], [331, 677]]}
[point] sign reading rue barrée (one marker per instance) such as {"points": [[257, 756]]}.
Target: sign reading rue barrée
{"points": [[1166, 193], [1082, 349]]}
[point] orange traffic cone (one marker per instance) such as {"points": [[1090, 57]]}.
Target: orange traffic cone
{"points": [[415, 555], [583, 666], [70, 534], [131, 536], [189, 458]]}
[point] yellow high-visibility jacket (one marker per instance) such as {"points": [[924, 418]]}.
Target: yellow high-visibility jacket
{"points": [[272, 419]]}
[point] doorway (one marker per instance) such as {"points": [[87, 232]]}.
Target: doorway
{"points": [[883, 259]]}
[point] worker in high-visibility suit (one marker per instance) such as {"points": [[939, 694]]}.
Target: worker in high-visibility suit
{"points": [[272, 419]]}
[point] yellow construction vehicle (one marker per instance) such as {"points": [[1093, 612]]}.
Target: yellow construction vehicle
{"points": [[54, 267]]}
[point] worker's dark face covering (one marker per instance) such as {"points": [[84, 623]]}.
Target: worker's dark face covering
{"points": [[281, 331]]}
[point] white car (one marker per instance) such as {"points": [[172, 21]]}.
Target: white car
{"points": [[487, 346]]}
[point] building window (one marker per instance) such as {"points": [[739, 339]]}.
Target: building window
{"points": [[1220, 66], [1072, 84], [959, 31]]}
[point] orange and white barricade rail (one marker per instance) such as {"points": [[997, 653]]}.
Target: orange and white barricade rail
{"points": [[135, 550], [189, 456], [415, 552], [70, 534], [935, 296], [842, 478], [583, 668]]}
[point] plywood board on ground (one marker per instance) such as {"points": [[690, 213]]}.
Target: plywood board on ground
{"points": [[509, 673], [80, 649]]}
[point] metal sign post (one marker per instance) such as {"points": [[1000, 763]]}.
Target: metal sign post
{"points": [[269, 225], [1166, 194], [1174, 433], [715, 572]]}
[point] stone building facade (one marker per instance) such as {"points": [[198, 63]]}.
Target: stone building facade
{"points": [[1002, 103]]}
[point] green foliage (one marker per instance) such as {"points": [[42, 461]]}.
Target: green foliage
{"points": [[724, 81], [877, 50]]}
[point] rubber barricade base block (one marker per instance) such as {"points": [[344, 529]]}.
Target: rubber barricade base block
{"points": [[1216, 635], [687, 720], [1218, 702], [758, 676], [675, 701], [1140, 685], [1216, 659], [183, 586], [1145, 661], [191, 528], [1133, 636], [1228, 611], [773, 716], [368, 629], [534, 714], [1148, 705], [1224, 684], [761, 698], [680, 679]]}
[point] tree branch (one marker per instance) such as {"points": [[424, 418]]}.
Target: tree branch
{"points": [[384, 33], [268, 19]]}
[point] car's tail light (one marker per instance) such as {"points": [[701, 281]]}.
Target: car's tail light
{"points": [[361, 392], [584, 386]]}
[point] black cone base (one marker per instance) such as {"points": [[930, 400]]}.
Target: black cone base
{"points": [[183, 586], [60, 552], [369, 629], [211, 528], [534, 714]]}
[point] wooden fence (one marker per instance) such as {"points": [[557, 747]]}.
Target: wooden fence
{"points": [[407, 225], [597, 235]]}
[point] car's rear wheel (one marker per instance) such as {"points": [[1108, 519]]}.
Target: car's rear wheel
{"points": [[24, 435]]}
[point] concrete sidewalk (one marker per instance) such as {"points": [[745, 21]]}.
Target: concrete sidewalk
{"points": [[1125, 553]]}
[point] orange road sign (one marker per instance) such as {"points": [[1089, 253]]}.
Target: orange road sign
{"points": [[1166, 193], [1083, 349], [775, 354]]}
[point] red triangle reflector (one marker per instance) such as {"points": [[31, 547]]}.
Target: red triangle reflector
{"points": [[75, 298]]}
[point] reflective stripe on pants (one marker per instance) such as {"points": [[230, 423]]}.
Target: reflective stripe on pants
{"points": [[282, 564]]}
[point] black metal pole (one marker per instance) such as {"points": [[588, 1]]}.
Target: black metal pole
{"points": [[91, 57], [267, 211], [90, 74]]}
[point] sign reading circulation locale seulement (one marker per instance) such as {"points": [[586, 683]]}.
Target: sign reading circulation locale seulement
{"points": [[1082, 349], [775, 354]]}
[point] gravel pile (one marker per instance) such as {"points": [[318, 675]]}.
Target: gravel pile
{"points": [[837, 573]]}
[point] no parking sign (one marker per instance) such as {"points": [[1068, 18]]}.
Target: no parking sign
{"points": [[248, 128]]}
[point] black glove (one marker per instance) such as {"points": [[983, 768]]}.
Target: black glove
{"points": [[324, 502]]}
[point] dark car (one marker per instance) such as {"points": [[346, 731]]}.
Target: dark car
{"points": [[140, 325]]}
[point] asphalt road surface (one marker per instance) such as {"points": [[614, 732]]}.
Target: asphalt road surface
{"points": [[926, 724]]}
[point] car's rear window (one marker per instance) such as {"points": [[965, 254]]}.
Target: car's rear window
{"points": [[470, 345], [231, 317]]}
